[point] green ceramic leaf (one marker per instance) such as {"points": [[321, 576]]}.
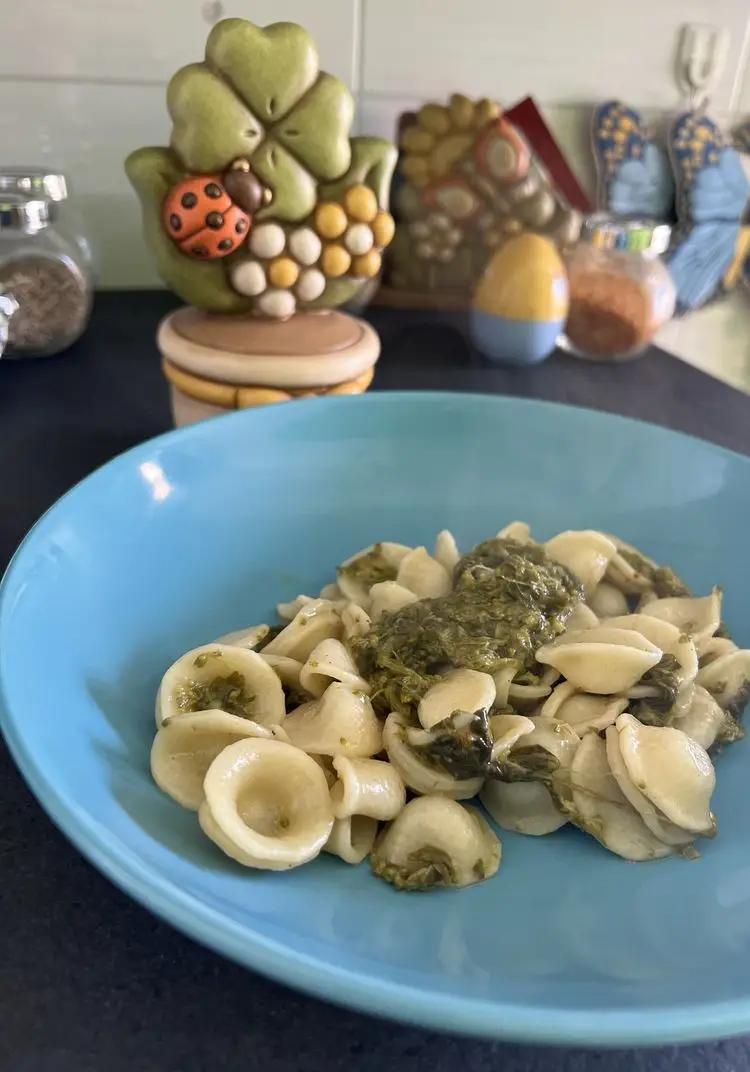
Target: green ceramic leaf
{"points": [[372, 162], [295, 190], [316, 131], [212, 126], [269, 68], [153, 172], [337, 292]]}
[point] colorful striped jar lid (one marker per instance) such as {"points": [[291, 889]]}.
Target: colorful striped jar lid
{"points": [[632, 235]]}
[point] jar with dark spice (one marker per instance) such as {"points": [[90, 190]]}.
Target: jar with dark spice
{"points": [[45, 277], [621, 292]]}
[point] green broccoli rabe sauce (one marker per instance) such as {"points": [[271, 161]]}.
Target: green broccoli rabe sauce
{"points": [[664, 581], [461, 745], [424, 868], [507, 601], [666, 678], [369, 568], [225, 692]]}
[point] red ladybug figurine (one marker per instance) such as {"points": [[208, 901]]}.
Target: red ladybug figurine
{"points": [[200, 216]]}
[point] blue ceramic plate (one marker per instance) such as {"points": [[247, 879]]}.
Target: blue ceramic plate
{"points": [[202, 531]]}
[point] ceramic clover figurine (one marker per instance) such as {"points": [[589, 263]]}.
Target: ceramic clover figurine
{"points": [[264, 215]]}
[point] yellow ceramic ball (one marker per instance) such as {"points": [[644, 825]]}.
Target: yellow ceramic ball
{"points": [[283, 272], [367, 266], [330, 219], [361, 203], [383, 229], [335, 261]]}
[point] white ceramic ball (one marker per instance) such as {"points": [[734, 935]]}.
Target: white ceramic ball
{"points": [[310, 285], [359, 239], [439, 221], [304, 245], [278, 304], [267, 240], [248, 277]]}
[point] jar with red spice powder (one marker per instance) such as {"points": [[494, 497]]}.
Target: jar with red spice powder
{"points": [[621, 292]]}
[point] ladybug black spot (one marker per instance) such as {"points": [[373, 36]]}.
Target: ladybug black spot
{"points": [[226, 243], [189, 200], [215, 220], [175, 222], [240, 226], [213, 190], [199, 251]]}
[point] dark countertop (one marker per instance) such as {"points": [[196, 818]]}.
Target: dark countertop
{"points": [[89, 980]]}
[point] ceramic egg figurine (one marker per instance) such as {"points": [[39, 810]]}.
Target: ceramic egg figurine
{"points": [[265, 216], [520, 305]]}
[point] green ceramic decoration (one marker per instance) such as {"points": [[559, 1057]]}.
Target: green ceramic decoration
{"points": [[259, 103]]}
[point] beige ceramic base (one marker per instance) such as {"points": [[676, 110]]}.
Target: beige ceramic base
{"points": [[216, 364]]}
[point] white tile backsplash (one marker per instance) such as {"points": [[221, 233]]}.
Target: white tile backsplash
{"points": [[82, 82]]}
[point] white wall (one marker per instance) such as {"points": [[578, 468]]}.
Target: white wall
{"points": [[82, 81]]}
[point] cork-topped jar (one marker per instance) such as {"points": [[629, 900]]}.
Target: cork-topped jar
{"points": [[621, 292]]}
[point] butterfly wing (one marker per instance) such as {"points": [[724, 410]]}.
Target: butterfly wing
{"points": [[700, 261], [643, 187], [634, 174]]}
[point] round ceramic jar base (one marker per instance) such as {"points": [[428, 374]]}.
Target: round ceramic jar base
{"points": [[216, 364], [201, 398]]}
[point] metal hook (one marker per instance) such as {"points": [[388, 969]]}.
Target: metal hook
{"points": [[701, 57]]}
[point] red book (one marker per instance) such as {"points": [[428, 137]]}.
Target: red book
{"points": [[526, 116]]}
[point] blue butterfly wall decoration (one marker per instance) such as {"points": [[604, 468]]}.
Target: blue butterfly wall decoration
{"points": [[635, 178], [712, 242], [708, 194]]}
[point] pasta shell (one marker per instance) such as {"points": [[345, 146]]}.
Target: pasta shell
{"points": [[581, 711], [436, 842], [387, 597], [330, 661], [267, 804], [601, 660], [185, 747], [728, 680], [665, 636], [557, 738], [503, 679], [524, 807], [423, 575], [459, 690], [316, 621], [586, 554], [446, 551], [602, 810], [246, 638], [355, 621], [287, 670], [352, 838], [526, 697], [713, 648], [516, 530], [507, 730], [355, 589], [290, 610], [657, 823], [331, 591], [367, 787], [341, 722], [607, 601], [187, 685], [704, 719], [581, 617], [671, 770], [420, 776], [698, 616], [622, 574]]}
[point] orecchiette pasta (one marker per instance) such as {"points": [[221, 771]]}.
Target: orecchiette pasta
{"points": [[366, 787], [572, 681], [222, 677], [266, 804], [185, 747], [436, 842], [341, 722]]}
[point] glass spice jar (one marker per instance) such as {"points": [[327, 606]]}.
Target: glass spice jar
{"points": [[621, 292], [45, 268]]}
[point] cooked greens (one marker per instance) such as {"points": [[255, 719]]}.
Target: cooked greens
{"points": [[223, 692], [460, 745], [424, 868], [507, 601], [665, 678], [370, 568]]}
